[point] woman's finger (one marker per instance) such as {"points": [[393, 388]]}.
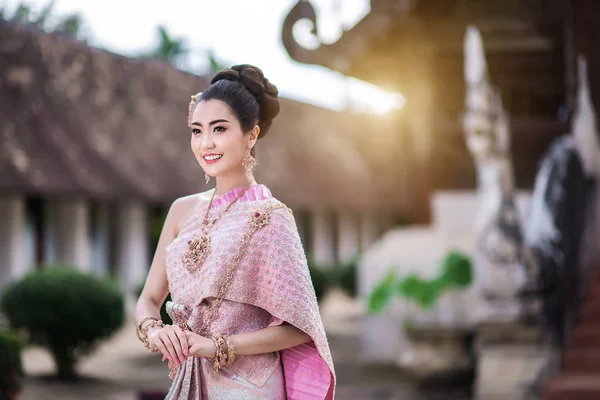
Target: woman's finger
{"points": [[154, 341], [165, 338], [161, 347], [182, 340], [194, 350], [176, 345]]}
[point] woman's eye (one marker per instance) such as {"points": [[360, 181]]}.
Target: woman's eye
{"points": [[196, 131], [219, 129]]}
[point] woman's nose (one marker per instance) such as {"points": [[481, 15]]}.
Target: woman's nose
{"points": [[207, 142]]}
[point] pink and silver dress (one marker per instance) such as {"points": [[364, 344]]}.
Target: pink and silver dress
{"points": [[258, 239]]}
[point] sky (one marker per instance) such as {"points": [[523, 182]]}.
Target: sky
{"points": [[238, 31]]}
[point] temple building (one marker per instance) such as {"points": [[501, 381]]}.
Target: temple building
{"points": [[94, 149], [532, 49]]}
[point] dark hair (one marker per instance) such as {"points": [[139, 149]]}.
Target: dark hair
{"points": [[251, 97]]}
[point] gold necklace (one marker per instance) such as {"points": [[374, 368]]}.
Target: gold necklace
{"points": [[258, 219], [199, 246]]}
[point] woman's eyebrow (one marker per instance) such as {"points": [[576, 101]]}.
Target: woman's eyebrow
{"points": [[216, 121]]}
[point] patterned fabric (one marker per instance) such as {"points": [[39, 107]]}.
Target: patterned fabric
{"points": [[271, 285]]}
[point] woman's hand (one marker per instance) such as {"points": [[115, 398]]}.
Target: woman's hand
{"points": [[172, 342], [200, 346]]}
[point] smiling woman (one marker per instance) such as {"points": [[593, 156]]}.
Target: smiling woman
{"points": [[227, 120], [246, 323]]}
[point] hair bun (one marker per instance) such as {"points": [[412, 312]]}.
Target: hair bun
{"points": [[264, 91], [253, 79], [226, 74]]}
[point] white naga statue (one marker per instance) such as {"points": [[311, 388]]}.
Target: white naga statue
{"points": [[584, 123], [502, 264]]}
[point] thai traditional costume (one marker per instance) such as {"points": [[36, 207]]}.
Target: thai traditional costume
{"points": [[257, 264]]}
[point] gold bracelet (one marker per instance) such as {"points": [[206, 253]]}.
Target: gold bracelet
{"points": [[215, 359], [142, 330], [230, 351], [220, 358], [153, 324], [138, 326]]}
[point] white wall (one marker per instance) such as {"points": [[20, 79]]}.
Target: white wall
{"points": [[349, 236], [13, 262], [323, 248], [100, 236], [132, 244], [369, 229], [68, 240]]}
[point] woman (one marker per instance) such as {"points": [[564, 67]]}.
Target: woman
{"points": [[246, 324]]}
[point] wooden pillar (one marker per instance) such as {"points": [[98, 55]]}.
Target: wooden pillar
{"points": [[420, 122]]}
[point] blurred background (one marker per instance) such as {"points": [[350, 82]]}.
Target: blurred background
{"points": [[440, 157]]}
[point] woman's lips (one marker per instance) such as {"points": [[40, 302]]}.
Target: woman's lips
{"points": [[212, 158]]}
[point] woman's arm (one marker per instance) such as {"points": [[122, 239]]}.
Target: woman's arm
{"points": [[267, 340], [272, 338], [156, 287]]}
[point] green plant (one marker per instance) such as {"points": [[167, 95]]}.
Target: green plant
{"points": [[47, 20], [456, 273], [320, 280], [11, 370], [338, 275], [344, 276], [64, 310], [168, 48]]}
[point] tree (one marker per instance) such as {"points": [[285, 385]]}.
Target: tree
{"points": [[215, 65], [46, 20], [169, 49]]}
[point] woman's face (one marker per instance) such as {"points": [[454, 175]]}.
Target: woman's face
{"points": [[218, 141]]}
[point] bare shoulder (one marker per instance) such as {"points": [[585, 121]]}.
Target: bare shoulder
{"points": [[189, 202], [183, 207]]}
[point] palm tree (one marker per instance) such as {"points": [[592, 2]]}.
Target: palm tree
{"points": [[215, 65], [169, 49], [71, 24], [42, 20], [175, 50]]}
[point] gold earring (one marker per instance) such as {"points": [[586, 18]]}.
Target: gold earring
{"points": [[206, 177], [248, 162]]}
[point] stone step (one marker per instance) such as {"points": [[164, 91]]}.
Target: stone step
{"points": [[590, 312], [572, 387], [586, 336], [582, 361], [594, 289]]}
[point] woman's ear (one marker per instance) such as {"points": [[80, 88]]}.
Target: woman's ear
{"points": [[254, 135]]}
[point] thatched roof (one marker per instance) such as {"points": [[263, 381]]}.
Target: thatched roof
{"points": [[76, 120]]}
